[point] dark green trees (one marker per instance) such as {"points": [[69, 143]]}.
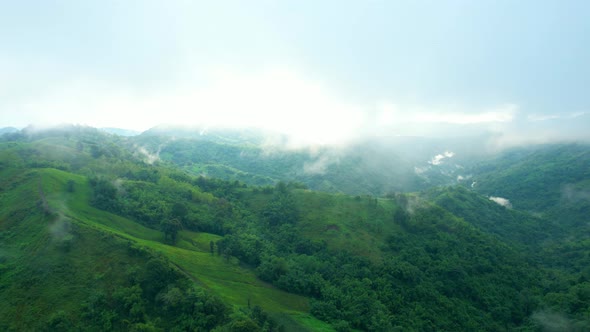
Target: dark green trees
{"points": [[170, 228], [282, 208]]}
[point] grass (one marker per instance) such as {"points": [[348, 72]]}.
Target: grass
{"points": [[356, 224], [235, 284], [49, 263]]}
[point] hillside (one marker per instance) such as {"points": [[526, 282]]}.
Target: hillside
{"points": [[514, 226], [535, 178], [375, 166], [551, 181], [46, 215], [147, 246]]}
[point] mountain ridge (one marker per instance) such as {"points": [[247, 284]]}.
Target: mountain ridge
{"points": [[429, 260]]}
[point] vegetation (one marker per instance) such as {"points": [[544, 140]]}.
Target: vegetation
{"points": [[353, 171], [86, 219]]}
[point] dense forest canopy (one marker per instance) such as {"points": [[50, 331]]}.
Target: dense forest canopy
{"points": [[294, 166], [148, 233]]}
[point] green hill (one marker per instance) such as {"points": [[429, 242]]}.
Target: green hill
{"points": [[535, 178], [510, 225], [95, 238], [62, 252], [363, 168], [549, 181]]}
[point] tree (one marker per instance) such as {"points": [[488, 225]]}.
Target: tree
{"points": [[179, 211], [96, 151], [70, 186], [244, 325], [281, 210], [170, 227], [401, 216], [104, 195]]}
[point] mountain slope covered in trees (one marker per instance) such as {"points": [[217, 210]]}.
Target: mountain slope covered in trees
{"points": [[550, 181], [375, 166], [88, 218]]}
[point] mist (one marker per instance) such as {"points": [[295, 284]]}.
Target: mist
{"points": [[573, 194], [292, 165], [289, 101], [551, 321], [501, 201], [309, 75]]}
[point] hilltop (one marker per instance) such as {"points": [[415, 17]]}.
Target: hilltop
{"points": [[143, 244]]}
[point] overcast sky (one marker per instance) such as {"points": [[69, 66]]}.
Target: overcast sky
{"points": [[325, 70]]}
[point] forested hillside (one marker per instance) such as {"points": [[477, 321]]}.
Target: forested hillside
{"points": [[550, 181], [376, 166], [90, 218], [536, 178]]}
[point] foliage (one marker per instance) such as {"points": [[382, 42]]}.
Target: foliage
{"points": [[84, 219], [235, 160]]}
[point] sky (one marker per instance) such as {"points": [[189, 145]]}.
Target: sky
{"points": [[323, 71]]}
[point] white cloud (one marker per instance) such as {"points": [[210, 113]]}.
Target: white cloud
{"points": [[438, 159], [320, 165], [545, 117], [149, 158], [463, 178], [390, 113], [420, 170], [276, 99], [501, 201], [571, 193]]}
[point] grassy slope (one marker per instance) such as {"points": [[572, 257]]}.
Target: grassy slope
{"points": [[233, 283], [358, 224], [355, 224], [45, 258]]}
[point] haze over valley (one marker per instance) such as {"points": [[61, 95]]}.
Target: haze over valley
{"points": [[294, 166]]}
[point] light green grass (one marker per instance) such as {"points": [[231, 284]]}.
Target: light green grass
{"points": [[235, 284], [40, 274]]}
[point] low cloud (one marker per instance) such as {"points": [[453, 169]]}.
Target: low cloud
{"points": [[285, 100], [320, 165], [415, 203], [279, 99], [118, 184], [545, 117], [391, 113], [572, 194], [463, 178], [438, 159], [551, 321], [148, 157], [501, 201], [61, 230], [421, 170]]}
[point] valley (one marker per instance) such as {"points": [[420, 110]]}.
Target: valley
{"points": [[95, 236]]}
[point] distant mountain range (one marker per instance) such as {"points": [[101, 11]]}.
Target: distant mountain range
{"points": [[121, 132], [374, 166], [8, 130]]}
